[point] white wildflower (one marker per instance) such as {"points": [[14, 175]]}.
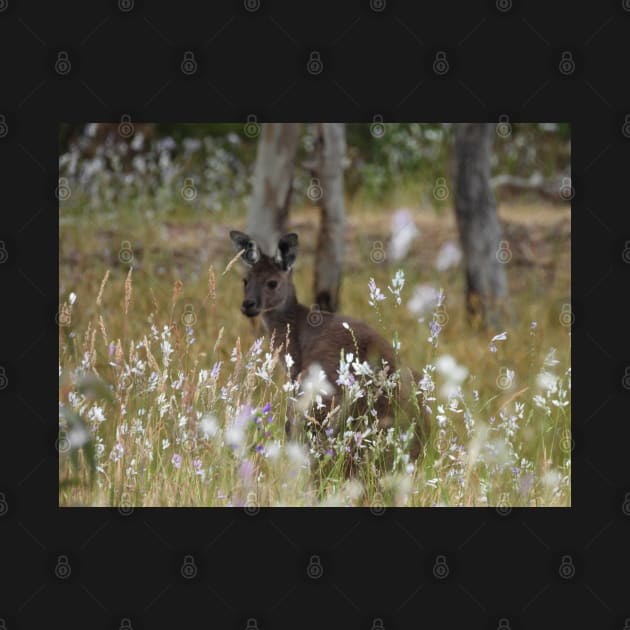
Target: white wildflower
{"points": [[423, 300], [208, 426], [398, 282], [449, 256], [404, 231]]}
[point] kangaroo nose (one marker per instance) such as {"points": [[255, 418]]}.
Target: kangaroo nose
{"points": [[249, 308]]}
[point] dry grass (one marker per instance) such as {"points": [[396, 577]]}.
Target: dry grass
{"points": [[167, 431]]}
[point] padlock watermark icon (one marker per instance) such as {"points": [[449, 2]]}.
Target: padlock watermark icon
{"points": [[189, 64], [126, 505], [189, 568], [63, 65], [505, 380], [442, 442], [504, 253], [62, 443], [566, 570], [251, 127], [440, 63], [625, 254], [440, 189], [4, 128], [251, 505], [4, 254], [566, 192], [441, 569], [126, 128], [566, 66], [188, 191], [314, 569], [567, 443], [566, 316], [315, 191], [503, 6], [377, 253], [251, 5], [314, 316], [377, 506], [625, 127], [63, 570], [378, 5], [503, 507], [314, 65], [504, 127], [125, 254], [440, 316], [63, 191], [126, 5], [377, 127], [188, 316]]}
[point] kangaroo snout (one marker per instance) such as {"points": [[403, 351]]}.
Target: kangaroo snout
{"points": [[249, 308]]}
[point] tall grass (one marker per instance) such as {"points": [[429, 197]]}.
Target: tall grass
{"points": [[179, 401]]}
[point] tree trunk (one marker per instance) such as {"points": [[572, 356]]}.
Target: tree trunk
{"points": [[273, 183], [485, 251], [330, 150]]}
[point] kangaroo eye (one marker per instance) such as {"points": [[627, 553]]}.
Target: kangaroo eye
{"points": [[244, 281], [272, 284]]}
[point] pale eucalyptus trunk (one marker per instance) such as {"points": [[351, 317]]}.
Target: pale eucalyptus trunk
{"points": [[480, 231], [327, 167], [273, 184]]}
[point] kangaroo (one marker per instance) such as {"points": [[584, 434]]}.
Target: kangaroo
{"points": [[318, 339]]}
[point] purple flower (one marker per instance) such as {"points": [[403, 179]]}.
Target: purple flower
{"points": [[260, 449], [176, 460], [266, 408], [435, 328], [246, 470], [216, 368]]}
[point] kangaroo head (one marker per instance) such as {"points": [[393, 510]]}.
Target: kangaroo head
{"points": [[267, 282]]}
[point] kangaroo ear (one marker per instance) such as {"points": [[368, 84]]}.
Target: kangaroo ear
{"points": [[287, 251], [251, 255]]}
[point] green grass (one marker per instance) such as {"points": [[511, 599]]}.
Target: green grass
{"points": [[165, 432]]}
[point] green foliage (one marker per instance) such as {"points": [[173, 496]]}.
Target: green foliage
{"points": [[219, 158]]}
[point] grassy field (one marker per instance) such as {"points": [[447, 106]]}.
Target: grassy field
{"points": [[165, 388]]}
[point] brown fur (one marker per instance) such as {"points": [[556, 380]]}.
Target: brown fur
{"points": [[318, 336]]}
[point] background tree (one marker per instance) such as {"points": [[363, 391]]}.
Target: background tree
{"points": [[480, 231], [271, 197], [273, 183], [327, 168]]}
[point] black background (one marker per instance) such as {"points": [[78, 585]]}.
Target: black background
{"points": [[503, 568]]}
